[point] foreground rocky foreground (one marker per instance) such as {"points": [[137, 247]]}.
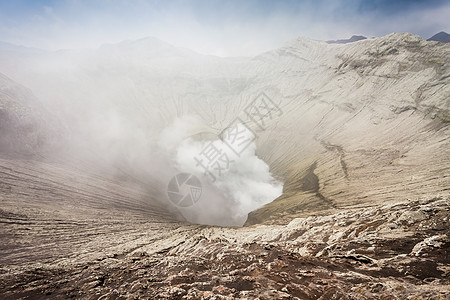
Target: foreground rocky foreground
{"points": [[82, 250]]}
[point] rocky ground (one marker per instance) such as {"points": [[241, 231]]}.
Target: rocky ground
{"points": [[396, 251]]}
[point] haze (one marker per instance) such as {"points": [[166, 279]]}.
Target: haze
{"points": [[223, 28]]}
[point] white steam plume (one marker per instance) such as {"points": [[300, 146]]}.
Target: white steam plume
{"points": [[226, 199]]}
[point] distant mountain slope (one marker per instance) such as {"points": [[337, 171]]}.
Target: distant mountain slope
{"points": [[442, 36], [354, 38]]}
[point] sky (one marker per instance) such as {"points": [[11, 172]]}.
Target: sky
{"points": [[223, 28]]}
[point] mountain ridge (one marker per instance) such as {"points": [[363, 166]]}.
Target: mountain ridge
{"points": [[442, 37], [352, 39]]}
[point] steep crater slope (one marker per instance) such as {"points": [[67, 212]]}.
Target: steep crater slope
{"points": [[365, 122], [53, 207]]}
